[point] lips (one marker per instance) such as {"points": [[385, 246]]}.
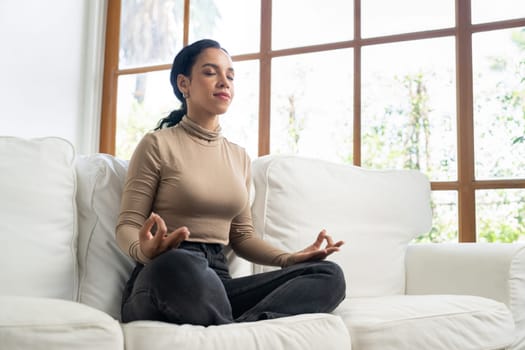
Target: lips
{"points": [[223, 96]]}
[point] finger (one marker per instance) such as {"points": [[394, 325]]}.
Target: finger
{"points": [[320, 239], [176, 237], [338, 244], [162, 229], [331, 250], [329, 240], [145, 231], [310, 256]]}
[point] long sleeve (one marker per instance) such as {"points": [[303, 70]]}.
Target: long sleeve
{"points": [[246, 243], [138, 196]]}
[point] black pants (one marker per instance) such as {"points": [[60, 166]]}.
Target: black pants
{"points": [[192, 285]]}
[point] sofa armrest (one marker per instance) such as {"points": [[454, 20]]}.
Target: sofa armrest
{"points": [[490, 270], [495, 271]]}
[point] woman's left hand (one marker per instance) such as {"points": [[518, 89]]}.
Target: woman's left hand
{"points": [[315, 251]]}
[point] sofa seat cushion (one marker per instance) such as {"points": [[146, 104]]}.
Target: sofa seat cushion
{"points": [[302, 332], [427, 322], [44, 323]]}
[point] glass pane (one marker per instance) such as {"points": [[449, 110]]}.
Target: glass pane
{"points": [[241, 124], [444, 218], [490, 10], [150, 31], [380, 17], [409, 107], [142, 100], [234, 24], [499, 103], [500, 215], [307, 22], [312, 105]]}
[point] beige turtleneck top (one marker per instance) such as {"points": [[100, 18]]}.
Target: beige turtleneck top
{"points": [[196, 178]]}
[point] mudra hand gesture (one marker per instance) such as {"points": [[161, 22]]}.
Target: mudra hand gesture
{"points": [[153, 245], [316, 250]]}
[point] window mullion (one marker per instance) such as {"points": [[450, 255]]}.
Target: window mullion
{"points": [[108, 122], [186, 29], [357, 84], [465, 123], [265, 77]]}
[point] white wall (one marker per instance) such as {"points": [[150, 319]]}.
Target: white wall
{"points": [[51, 69]]}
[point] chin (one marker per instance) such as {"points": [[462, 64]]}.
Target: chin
{"points": [[220, 111]]}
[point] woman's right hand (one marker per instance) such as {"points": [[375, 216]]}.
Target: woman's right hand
{"points": [[153, 245]]}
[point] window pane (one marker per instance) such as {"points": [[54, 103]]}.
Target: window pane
{"points": [[380, 17], [312, 105], [490, 10], [150, 32], [306, 22], [444, 218], [409, 107], [499, 103], [240, 124], [500, 215], [142, 101], [235, 24]]}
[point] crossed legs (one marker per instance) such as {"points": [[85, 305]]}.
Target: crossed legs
{"points": [[183, 286]]}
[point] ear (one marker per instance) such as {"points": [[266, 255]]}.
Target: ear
{"points": [[183, 83]]}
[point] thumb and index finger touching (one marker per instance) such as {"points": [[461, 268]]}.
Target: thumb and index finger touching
{"points": [[324, 236], [162, 236]]}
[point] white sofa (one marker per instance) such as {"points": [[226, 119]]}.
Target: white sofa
{"points": [[62, 272]]}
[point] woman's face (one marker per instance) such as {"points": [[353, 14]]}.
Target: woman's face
{"points": [[210, 87]]}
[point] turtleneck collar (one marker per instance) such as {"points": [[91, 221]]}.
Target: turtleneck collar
{"points": [[198, 131]]}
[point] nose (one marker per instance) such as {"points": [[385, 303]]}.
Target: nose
{"points": [[223, 81]]}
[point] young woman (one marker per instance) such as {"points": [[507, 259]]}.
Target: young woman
{"points": [[186, 197]]}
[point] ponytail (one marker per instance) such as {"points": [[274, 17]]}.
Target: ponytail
{"points": [[173, 118]]}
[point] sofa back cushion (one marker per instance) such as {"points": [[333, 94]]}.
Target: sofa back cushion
{"points": [[37, 218], [104, 268], [375, 212]]}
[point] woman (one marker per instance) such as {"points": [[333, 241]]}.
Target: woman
{"points": [[186, 197]]}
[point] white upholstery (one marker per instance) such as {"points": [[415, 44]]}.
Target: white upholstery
{"points": [[427, 322], [495, 271], [375, 212], [304, 332], [104, 268], [38, 218], [28, 323]]}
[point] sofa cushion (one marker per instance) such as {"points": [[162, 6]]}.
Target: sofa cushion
{"points": [[437, 322], [104, 268], [375, 212], [37, 218], [304, 332], [42, 323]]}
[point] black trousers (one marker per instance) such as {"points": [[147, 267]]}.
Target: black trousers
{"points": [[192, 285]]}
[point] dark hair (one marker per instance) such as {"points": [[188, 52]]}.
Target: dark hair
{"points": [[182, 64]]}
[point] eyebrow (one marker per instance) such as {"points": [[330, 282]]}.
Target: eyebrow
{"points": [[230, 69]]}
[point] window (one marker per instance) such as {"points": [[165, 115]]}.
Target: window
{"points": [[437, 86]]}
